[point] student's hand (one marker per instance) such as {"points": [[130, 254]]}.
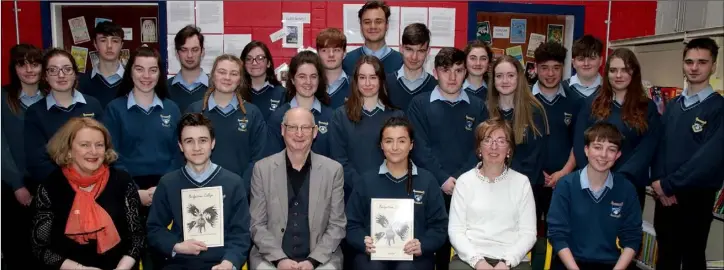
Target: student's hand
{"points": [[448, 186], [482, 265], [659, 192], [552, 179], [501, 265], [23, 196], [305, 265], [190, 247], [413, 247], [224, 265], [151, 191], [369, 245], [126, 262], [146, 197], [287, 264]]}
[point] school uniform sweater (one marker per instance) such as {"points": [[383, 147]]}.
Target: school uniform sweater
{"points": [[357, 145], [561, 113], [692, 146], [637, 149], [444, 133], [268, 99], [338, 91], [13, 155], [481, 92], [42, 122], [430, 217], [321, 144], [390, 62], [146, 141], [588, 226], [580, 93], [182, 95], [401, 95], [530, 156], [103, 89], [167, 209], [240, 138]]}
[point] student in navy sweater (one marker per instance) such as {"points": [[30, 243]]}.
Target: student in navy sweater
{"points": [[622, 101], [355, 126], [398, 178], [142, 121], [687, 172], [191, 82], [331, 46], [594, 211], [108, 41], [444, 120], [196, 140], [267, 93], [586, 52], [17, 96], [411, 79], [62, 101], [239, 125], [374, 19], [477, 60], [306, 88]]}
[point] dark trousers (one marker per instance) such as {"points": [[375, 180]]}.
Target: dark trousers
{"points": [[557, 264], [442, 255], [363, 262], [641, 192], [16, 231], [682, 229], [152, 259], [188, 265]]}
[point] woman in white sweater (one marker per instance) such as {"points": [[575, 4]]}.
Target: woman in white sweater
{"points": [[492, 213]]}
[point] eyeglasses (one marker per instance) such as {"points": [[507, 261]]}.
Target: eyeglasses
{"points": [[54, 71], [304, 129], [258, 59], [488, 142]]}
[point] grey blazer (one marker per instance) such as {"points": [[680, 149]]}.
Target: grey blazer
{"points": [[269, 210]]}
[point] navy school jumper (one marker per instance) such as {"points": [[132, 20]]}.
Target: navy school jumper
{"points": [[98, 87], [182, 96], [268, 99], [390, 63], [320, 146], [530, 156], [561, 113], [400, 95]]}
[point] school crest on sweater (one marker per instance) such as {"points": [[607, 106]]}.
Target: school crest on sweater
{"points": [[616, 209], [698, 125], [469, 122], [89, 114], [242, 124], [165, 120], [273, 104], [418, 195], [567, 118], [322, 126]]}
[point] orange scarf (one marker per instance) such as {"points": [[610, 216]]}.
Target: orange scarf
{"points": [[88, 220]]}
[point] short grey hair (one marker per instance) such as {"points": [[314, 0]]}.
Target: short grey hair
{"points": [[286, 114]]}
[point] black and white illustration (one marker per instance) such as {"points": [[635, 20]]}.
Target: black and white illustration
{"points": [[294, 35], [391, 228], [203, 215]]}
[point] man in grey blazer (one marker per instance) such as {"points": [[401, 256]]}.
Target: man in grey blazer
{"points": [[297, 203]]}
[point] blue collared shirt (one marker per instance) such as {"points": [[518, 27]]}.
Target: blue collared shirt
{"points": [[30, 100], [316, 105], [50, 101], [536, 90], [435, 95], [586, 90], [132, 102], [334, 86], [585, 183], [114, 78], [412, 84], [382, 52], [468, 85], [698, 97], [385, 170], [233, 104], [378, 106], [266, 83], [201, 177], [202, 79]]}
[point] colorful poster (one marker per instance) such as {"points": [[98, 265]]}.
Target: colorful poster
{"points": [[483, 33], [125, 55], [80, 54], [535, 41], [518, 28], [555, 33], [498, 52], [79, 30], [517, 53]]}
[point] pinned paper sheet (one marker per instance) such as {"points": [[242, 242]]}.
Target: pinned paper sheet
{"points": [[410, 15], [533, 43], [278, 34], [127, 33], [295, 35], [173, 64], [393, 31], [501, 32], [210, 16], [351, 23], [179, 14], [295, 17], [442, 27], [213, 47], [234, 44]]}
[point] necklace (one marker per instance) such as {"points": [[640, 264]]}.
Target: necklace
{"points": [[484, 178]]}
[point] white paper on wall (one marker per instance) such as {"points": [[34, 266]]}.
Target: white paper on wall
{"points": [[179, 14], [234, 44], [213, 47], [430, 61], [210, 16], [279, 34], [296, 17], [173, 64], [442, 27], [410, 15], [393, 32], [351, 24], [501, 32]]}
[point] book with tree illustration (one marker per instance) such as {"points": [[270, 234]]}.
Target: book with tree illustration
{"points": [[203, 215], [392, 225]]}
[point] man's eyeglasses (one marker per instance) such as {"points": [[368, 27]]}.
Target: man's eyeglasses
{"points": [[258, 59], [304, 129], [54, 71], [488, 142]]}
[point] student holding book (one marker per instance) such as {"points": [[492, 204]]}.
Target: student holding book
{"points": [[196, 139], [478, 56], [267, 93], [397, 178], [594, 211], [411, 79]]}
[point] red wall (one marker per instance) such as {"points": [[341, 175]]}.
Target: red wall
{"points": [[628, 19]]}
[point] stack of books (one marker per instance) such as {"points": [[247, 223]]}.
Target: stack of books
{"points": [[649, 248], [719, 204]]}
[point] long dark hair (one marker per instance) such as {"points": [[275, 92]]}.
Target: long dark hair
{"points": [[354, 103], [399, 121], [240, 92], [307, 57], [270, 75], [21, 54], [127, 83], [53, 52]]}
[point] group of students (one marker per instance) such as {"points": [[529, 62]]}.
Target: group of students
{"points": [[488, 151]]}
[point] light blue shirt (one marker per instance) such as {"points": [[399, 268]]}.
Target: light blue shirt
{"points": [[435, 95], [266, 83], [378, 106], [536, 91], [698, 97], [334, 86], [202, 79], [412, 84], [201, 177], [132, 102], [50, 101], [468, 85], [114, 78], [30, 100], [385, 170], [233, 105], [316, 105], [585, 183], [585, 90], [381, 53]]}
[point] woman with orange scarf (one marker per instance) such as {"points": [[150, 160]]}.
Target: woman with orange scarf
{"points": [[85, 215]]}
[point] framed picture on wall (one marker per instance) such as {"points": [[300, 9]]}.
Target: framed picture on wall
{"points": [[295, 35], [555, 33], [149, 30]]}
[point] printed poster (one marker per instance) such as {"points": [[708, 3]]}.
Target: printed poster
{"points": [[555, 33], [517, 53], [149, 33], [295, 35], [497, 52], [80, 54], [203, 215], [125, 55], [79, 30], [94, 59], [392, 222], [501, 32], [518, 30], [483, 33], [535, 41]]}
